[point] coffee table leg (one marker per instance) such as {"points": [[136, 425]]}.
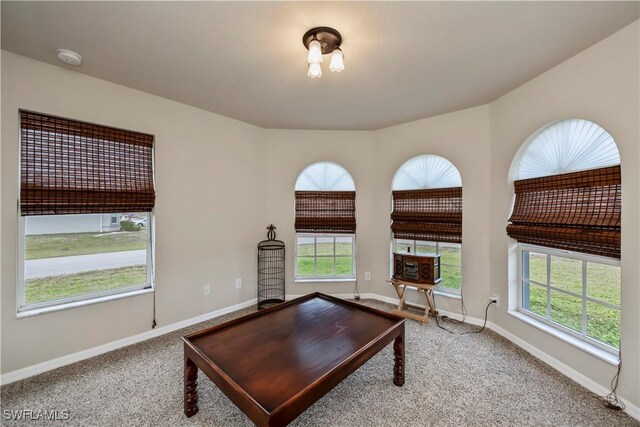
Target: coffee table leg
{"points": [[398, 366], [190, 387]]}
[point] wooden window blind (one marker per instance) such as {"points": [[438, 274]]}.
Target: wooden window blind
{"points": [[431, 214], [325, 212], [578, 211], [71, 167]]}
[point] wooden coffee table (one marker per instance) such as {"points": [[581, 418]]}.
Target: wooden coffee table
{"points": [[275, 363]]}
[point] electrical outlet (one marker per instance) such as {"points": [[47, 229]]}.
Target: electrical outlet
{"points": [[238, 283], [367, 275], [495, 298], [207, 289]]}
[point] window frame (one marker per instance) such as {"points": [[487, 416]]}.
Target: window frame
{"points": [[23, 309], [440, 289], [334, 278], [584, 259], [27, 310]]}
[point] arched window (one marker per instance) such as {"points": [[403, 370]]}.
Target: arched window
{"points": [[568, 146], [325, 223], [427, 171], [566, 219], [427, 214], [325, 176]]}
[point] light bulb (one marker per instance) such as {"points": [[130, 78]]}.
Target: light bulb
{"points": [[337, 61], [315, 70], [315, 52]]}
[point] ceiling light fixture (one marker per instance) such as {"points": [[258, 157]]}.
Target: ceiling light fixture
{"points": [[323, 41]]}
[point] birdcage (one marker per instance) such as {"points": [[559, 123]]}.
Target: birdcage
{"points": [[270, 270]]}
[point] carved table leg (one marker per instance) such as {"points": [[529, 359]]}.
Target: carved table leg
{"points": [[398, 366], [190, 387]]}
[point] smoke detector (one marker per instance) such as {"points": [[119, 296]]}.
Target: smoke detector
{"points": [[69, 57]]}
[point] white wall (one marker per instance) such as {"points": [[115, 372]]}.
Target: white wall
{"points": [[600, 84], [234, 179], [462, 138], [207, 209], [372, 159], [288, 153]]}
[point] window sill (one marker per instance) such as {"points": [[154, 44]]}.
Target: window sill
{"points": [[74, 304], [326, 280], [447, 294], [593, 350], [440, 292]]}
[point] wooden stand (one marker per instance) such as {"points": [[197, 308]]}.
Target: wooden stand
{"points": [[401, 289]]}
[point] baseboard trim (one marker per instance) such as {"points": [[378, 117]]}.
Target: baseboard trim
{"points": [[631, 409], [29, 371], [586, 382], [49, 365]]}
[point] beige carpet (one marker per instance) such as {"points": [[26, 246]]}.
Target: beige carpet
{"points": [[474, 380]]}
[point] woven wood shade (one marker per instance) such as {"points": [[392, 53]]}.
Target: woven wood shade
{"points": [[430, 214], [325, 212], [577, 211], [70, 167]]}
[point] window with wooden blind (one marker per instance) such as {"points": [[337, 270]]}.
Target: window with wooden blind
{"points": [[577, 211], [567, 221], [433, 214], [325, 212], [72, 167], [325, 223], [86, 201], [426, 214]]}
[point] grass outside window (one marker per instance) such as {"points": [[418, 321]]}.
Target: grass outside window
{"points": [[324, 256], [582, 295], [77, 265], [85, 283], [69, 244]]}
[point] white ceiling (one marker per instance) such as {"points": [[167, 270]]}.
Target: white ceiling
{"points": [[245, 60]]}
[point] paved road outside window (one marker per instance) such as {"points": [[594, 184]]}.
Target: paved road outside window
{"points": [[76, 264]]}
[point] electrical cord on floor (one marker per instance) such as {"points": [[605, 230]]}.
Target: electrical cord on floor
{"points": [[153, 322], [463, 311], [436, 316], [484, 325], [454, 321], [356, 292], [611, 400]]}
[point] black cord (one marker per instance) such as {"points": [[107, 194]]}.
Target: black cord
{"points": [[454, 321], [484, 325], [486, 314], [463, 310], [153, 323], [436, 315], [153, 288], [611, 400]]}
